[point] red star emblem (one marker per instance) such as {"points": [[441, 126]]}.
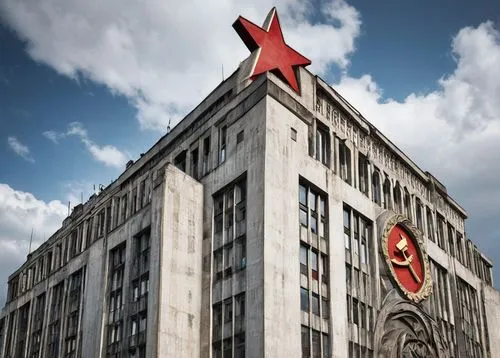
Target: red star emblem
{"points": [[274, 54]]}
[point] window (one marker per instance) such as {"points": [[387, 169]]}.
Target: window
{"points": [[363, 252], [363, 173], [206, 155], [116, 210], [315, 304], [362, 312], [228, 310], [407, 202], [365, 232], [306, 345], [133, 208], [460, 248], [124, 208], [430, 225], [387, 194], [397, 199], [322, 145], [441, 227], [376, 195], [356, 235], [303, 211], [355, 313], [451, 243], [115, 308], [324, 268], [180, 160], [316, 344], [304, 299], [88, 233], [240, 137], [217, 317], [325, 310], [326, 346], [222, 144], [142, 194], [345, 162], [106, 214], [303, 259], [347, 229], [418, 209], [229, 258], [348, 276], [293, 134], [228, 348], [194, 163], [314, 265]]}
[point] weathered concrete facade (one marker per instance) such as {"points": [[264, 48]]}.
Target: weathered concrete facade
{"points": [[254, 229]]}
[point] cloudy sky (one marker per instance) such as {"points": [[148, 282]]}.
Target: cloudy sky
{"points": [[87, 85]]}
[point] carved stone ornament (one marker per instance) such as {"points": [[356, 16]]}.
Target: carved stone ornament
{"points": [[403, 330], [403, 249]]}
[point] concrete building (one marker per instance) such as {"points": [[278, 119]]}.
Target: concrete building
{"points": [[267, 223]]}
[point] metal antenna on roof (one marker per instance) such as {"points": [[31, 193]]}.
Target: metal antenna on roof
{"points": [[222, 72]]}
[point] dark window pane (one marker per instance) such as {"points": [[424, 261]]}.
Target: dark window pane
{"points": [[315, 304], [322, 206], [303, 217], [326, 346], [303, 195], [303, 255], [347, 220], [314, 224], [355, 316], [324, 308], [316, 344], [306, 351], [312, 201], [304, 300]]}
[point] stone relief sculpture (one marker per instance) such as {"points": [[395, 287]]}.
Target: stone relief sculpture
{"points": [[404, 330]]}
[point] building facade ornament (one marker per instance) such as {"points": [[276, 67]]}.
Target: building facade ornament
{"points": [[404, 330], [403, 249]]}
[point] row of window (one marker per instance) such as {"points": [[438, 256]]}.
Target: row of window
{"points": [[195, 156], [314, 272], [229, 257], [116, 212], [441, 305], [314, 343], [52, 317], [360, 311], [399, 199], [357, 231], [136, 322]]}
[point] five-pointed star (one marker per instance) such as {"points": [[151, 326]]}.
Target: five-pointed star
{"points": [[274, 54]]}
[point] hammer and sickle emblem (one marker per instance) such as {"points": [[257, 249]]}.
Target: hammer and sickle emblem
{"points": [[402, 246]]}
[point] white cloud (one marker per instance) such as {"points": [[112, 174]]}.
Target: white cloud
{"points": [[20, 212], [52, 135], [20, 149], [107, 154], [454, 132], [166, 57]]}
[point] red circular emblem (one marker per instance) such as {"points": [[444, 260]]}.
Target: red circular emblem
{"points": [[406, 259]]}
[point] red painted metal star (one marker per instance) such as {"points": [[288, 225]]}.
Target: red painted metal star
{"points": [[274, 54]]}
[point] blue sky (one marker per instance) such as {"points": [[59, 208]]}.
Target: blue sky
{"points": [[86, 86]]}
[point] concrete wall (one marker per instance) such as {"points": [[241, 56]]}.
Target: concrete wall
{"points": [[179, 296], [492, 318]]}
